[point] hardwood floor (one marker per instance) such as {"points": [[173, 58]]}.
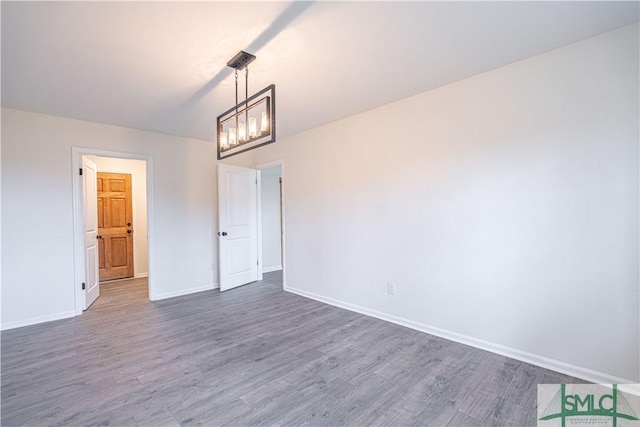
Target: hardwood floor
{"points": [[274, 277], [254, 355]]}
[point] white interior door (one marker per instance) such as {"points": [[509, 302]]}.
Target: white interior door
{"points": [[90, 202], [237, 225]]}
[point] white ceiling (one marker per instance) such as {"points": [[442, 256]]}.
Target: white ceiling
{"points": [[160, 66]]}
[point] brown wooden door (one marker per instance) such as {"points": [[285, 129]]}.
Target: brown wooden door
{"points": [[115, 226]]}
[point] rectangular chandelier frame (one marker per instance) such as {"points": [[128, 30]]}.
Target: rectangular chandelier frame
{"points": [[248, 125]]}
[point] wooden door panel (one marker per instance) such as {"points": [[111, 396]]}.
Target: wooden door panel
{"points": [[116, 250], [100, 212], [101, 254], [117, 185], [118, 212]]}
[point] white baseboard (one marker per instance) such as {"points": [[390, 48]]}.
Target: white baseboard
{"points": [[182, 292], [270, 269], [36, 320], [140, 275], [626, 385]]}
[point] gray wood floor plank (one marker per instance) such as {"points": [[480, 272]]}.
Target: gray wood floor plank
{"points": [[479, 404], [462, 420], [254, 355], [506, 413], [319, 407]]}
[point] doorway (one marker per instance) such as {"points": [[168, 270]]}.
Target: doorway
{"points": [[122, 218], [272, 221], [140, 169]]}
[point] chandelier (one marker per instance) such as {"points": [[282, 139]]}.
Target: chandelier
{"points": [[250, 123]]}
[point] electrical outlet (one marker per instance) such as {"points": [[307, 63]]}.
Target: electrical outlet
{"points": [[391, 288]]}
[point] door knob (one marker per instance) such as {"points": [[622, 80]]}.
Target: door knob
{"points": [[128, 224], [128, 231], [224, 233]]}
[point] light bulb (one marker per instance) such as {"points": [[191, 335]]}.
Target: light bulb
{"points": [[232, 137], [264, 125], [224, 142], [253, 127], [242, 131]]}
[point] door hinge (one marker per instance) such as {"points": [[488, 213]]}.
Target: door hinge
{"points": [[83, 286], [80, 171], [257, 263]]}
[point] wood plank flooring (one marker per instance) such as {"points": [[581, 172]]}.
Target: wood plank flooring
{"points": [[255, 355]]}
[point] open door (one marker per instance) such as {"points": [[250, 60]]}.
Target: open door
{"points": [[90, 201], [237, 225]]}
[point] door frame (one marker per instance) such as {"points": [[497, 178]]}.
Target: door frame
{"points": [[260, 167], [78, 218]]}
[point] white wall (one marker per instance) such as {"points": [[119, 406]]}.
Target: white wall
{"points": [[37, 239], [270, 203], [138, 171], [505, 206]]}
